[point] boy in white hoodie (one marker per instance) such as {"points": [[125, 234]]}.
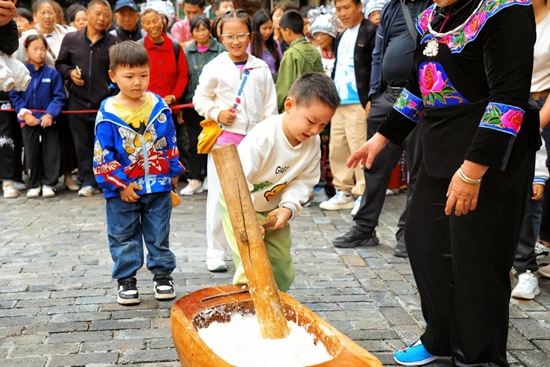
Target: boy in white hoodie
{"points": [[236, 90], [281, 159]]}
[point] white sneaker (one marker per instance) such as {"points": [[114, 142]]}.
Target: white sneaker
{"points": [[542, 253], [338, 202], [9, 190], [390, 192], [319, 195], [205, 184], [527, 287], [47, 191], [88, 191], [19, 186], [193, 187], [356, 206], [216, 265], [33, 193]]}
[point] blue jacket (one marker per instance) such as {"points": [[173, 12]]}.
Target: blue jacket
{"points": [[122, 156], [45, 92]]}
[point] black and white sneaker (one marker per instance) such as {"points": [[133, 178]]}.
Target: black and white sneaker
{"points": [[127, 293], [164, 287]]}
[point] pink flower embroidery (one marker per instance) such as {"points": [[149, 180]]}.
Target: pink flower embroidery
{"points": [[474, 25], [512, 120], [423, 21], [412, 104], [446, 40], [431, 80]]}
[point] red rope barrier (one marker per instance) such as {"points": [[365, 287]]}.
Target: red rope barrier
{"points": [[172, 107]]}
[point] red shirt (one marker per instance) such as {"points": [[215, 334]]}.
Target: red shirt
{"points": [[166, 77]]}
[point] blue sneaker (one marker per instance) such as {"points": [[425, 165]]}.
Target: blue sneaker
{"points": [[414, 355]]}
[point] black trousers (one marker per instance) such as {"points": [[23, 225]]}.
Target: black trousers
{"points": [[66, 142], [82, 130], [42, 152], [196, 165], [10, 147], [526, 259], [183, 146], [378, 176], [461, 264]]}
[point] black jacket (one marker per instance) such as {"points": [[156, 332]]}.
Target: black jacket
{"points": [[93, 61], [391, 8], [9, 38], [362, 58]]}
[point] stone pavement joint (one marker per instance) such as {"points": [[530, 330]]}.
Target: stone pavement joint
{"points": [[57, 298]]}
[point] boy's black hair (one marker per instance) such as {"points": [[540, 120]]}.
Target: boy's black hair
{"points": [[356, 2], [128, 53], [197, 20], [238, 14], [292, 20], [218, 2], [72, 11], [312, 87], [33, 37], [24, 13], [260, 18], [200, 3]]}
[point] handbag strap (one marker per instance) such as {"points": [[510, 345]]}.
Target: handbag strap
{"points": [[408, 19], [246, 73]]}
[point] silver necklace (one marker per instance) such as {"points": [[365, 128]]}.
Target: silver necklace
{"points": [[432, 47]]}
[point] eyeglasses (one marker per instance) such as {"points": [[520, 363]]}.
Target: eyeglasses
{"points": [[239, 37], [237, 13]]}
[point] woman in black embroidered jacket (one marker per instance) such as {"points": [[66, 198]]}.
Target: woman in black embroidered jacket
{"points": [[470, 92]]}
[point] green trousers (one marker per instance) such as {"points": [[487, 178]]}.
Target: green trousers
{"points": [[277, 243]]}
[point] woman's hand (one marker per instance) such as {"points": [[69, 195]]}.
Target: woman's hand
{"points": [[169, 99], [461, 195], [226, 117], [179, 118], [366, 154]]}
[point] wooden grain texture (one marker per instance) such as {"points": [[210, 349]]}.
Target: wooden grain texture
{"points": [[261, 282]]}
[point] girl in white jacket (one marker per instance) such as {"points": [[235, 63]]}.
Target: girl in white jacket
{"points": [[236, 90]]}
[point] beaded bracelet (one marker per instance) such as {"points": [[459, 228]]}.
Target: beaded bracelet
{"points": [[467, 179]]}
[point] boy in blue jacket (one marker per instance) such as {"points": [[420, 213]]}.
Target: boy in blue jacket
{"points": [[136, 164]]}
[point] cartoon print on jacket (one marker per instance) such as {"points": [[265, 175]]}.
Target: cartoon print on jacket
{"points": [[270, 194]]}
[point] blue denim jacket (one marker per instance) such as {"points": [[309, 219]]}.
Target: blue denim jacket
{"points": [[122, 156]]}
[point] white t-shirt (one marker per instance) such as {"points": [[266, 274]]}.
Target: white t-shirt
{"points": [[344, 76], [541, 66], [278, 174]]}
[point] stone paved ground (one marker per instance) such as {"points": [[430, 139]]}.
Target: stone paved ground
{"points": [[57, 303]]}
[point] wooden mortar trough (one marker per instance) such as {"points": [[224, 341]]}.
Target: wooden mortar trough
{"points": [[198, 309]]}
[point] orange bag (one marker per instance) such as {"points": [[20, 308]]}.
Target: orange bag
{"points": [[208, 136]]}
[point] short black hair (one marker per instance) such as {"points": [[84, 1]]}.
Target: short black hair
{"points": [[200, 3], [128, 53], [72, 11], [218, 2], [24, 13], [197, 20], [292, 20], [356, 2], [312, 87]]}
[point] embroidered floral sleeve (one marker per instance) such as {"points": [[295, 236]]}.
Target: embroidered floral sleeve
{"points": [[409, 105], [503, 118], [436, 88]]}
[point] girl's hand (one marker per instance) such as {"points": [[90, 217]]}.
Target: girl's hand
{"points": [[46, 121], [30, 120], [463, 195], [226, 117], [366, 154]]}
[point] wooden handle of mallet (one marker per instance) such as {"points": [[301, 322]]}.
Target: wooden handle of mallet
{"points": [[269, 222], [257, 267]]}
